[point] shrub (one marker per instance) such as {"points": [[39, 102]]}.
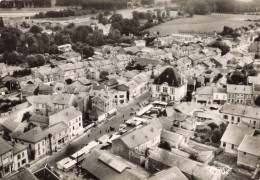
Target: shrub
{"points": [[195, 134], [202, 136], [207, 140], [213, 126]]}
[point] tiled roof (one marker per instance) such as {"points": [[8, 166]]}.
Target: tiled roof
{"points": [[170, 76], [242, 110], [234, 134], [173, 173], [239, 89], [62, 98], [64, 115], [57, 128], [22, 175], [5, 146], [250, 145], [141, 135], [34, 135], [18, 148]]}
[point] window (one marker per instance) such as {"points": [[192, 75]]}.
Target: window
{"points": [[23, 161], [30, 146], [19, 156], [38, 146], [254, 122], [157, 88], [79, 124], [238, 119], [224, 144], [165, 89], [22, 154], [232, 147], [43, 143], [172, 90], [244, 153], [232, 118], [225, 116], [18, 164]]}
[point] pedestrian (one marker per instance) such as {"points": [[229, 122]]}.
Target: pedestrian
{"points": [[123, 116], [100, 131]]}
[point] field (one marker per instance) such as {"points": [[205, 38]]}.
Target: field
{"points": [[198, 23]]}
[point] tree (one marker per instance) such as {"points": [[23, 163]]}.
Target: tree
{"points": [[53, 49], [100, 17], [1, 22], [26, 116], [223, 47], [116, 18], [35, 29], [88, 51], [216, 136], [103, 75], [135, 15], [165, 145], [257, 101], [69, 81]]}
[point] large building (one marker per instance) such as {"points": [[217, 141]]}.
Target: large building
{"points": [[169, 86]]}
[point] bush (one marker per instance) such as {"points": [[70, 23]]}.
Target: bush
{"points": [[195, 134], [207, 140], [202, 136], [213, 126], [216, 136]]}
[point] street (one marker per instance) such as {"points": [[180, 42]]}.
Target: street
{"points": [[94, 134]]}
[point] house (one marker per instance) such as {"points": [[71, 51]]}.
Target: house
{"points": [[70, 116], [219, 95], [72, 71], [3, 91], [236, 113], [70, 56], [35, 140], [13, 126], [93, 73], [169, 86], [171, 173], [96, 114], [254, 47], [45, 74], [10, 82], [62, 101], [58, 135], [45, 89], [103, 101], [256, 65], [42, 102], [107, 166], [249, 152], [40, 120], [204, 95], [172, 138], [134, 144], [240, 94], [21, 175], [6, 158], [6, 70], [233, 136], [29, 90], [160, 159], [20, 156]]}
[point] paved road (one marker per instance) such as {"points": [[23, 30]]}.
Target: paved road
{"points": [[76, 145]]}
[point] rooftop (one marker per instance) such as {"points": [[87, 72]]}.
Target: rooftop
{"points": [[22, 175], [250, 145], [169, 76], [34, 135], [234, 134], [5, 146]]}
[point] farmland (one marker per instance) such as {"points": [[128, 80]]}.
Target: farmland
{"points": [[198, 23]]}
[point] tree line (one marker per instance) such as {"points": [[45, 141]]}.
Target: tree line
{"points": [[203, 7]]}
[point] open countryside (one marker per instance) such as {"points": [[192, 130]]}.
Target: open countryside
{"points": [[199, 23]]}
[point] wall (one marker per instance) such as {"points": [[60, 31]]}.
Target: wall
{"points": [[247, 160], [119, 148], [23, 157]]}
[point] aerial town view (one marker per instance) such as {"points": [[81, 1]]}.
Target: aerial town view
{"points": [[129, 89]]}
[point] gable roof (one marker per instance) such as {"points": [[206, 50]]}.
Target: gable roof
{"points": [[173, 173], [234, 134], [22, 175], [5, 146], [141, 135], [250, 145], [18, 148], [107, 166], [62, 98], [34, 135], [239, 89], [13, 125], [64, 115], [170, 76]]}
